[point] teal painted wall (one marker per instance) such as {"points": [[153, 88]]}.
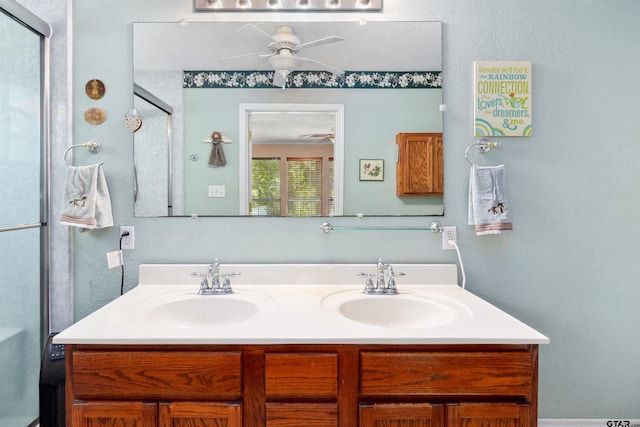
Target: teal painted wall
{"points": [[372, 118], [571, 184]]}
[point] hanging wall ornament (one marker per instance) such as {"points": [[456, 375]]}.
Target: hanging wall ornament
{"points": [[95, 116], [217, 157], [133, 120], [94, 89]]}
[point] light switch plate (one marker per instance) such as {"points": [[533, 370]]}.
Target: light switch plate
{"points": [[217, 191]]}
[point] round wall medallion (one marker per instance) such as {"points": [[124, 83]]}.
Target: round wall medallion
{"points": [[95, 89], [95, 116]]}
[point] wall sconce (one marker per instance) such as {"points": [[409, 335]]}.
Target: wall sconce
{"points": [[288, 5]]}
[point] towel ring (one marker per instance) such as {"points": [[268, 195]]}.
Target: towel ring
{"points": [[93, 147], [483, 146]]}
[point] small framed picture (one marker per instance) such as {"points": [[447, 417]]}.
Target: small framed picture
{"points": [[371, 170]]}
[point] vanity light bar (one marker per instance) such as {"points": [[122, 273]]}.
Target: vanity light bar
{"points": [[288, 5]]}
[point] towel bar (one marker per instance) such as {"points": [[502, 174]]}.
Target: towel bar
{"points": [[434, 227], [93, 147], [483, 146]]}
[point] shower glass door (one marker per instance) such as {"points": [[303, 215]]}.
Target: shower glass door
{"points": [[22, 217]]}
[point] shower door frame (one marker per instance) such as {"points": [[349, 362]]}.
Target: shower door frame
{"points": [[41, 28]]}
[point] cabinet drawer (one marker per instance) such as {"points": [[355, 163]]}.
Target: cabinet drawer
{"points": [[156, 375], [301, 374], [302, 414], [447, 373]]}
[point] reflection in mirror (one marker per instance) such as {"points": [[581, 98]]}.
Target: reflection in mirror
{"points": [[293, 150], [391, 84], [152, 152]]}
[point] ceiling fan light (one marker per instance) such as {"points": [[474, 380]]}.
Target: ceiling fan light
{"points": [[332, 4]]}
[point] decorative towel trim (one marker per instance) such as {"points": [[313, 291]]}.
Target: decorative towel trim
{"points": [[493, 228], [78, 221]]}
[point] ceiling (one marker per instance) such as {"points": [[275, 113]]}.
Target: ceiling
{"points": [[376, 46]]}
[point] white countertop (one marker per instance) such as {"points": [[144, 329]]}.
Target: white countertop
{"points": [[294, 307]]}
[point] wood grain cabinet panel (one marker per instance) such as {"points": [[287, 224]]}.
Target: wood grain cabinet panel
{"points": [[490, 415], [157, 375], [447, 373], [301, 374], [200, 414], [302, 414], [401, 415], [114, 414], [419, 170]]}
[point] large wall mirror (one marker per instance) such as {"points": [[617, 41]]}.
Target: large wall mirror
{"points": [[257, 133]]}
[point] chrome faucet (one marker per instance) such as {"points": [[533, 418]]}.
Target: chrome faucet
{"points": [[213, 271], [380, 267], [383, 271], [216, 287]]}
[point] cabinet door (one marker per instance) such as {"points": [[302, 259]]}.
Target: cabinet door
{"points": [[489, 415], [419, 171], [114, 414], [401, 415], [200, 414]]}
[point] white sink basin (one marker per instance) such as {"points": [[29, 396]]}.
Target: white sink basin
{"points": [[189, 310], [414, 310]]}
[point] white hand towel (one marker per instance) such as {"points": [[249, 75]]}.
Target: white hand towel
{"points": [[488, 207], [86, 201]]}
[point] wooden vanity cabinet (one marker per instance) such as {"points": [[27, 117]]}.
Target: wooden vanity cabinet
{"points": [[419, 170], [302, 385]]}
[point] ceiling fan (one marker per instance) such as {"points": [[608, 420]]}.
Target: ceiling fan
{"points": [[331, 136], [283, 57]]}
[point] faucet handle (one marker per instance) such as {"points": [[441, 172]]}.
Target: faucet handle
{"points": [[391, 286], [226, 282], [369, 287], [204, 284]]}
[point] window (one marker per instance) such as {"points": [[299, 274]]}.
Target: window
{"points": [[265, 187], [295, 186]]}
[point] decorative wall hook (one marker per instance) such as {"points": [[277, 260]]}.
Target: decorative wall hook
{"points": [[219, 136]]}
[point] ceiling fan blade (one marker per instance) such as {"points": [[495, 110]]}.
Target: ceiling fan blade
{"points": [[320, 137], [256, 28], [325, 40], [324, 66], [260, 55]]}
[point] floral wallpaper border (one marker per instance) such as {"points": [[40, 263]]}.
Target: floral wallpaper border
{"points": [[315, 80]]}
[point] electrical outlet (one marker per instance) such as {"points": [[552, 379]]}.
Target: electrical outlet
{"points": [[449, 233], [128, 242]]}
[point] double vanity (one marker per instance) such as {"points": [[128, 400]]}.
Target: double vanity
{"points": [[300, 346]]}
